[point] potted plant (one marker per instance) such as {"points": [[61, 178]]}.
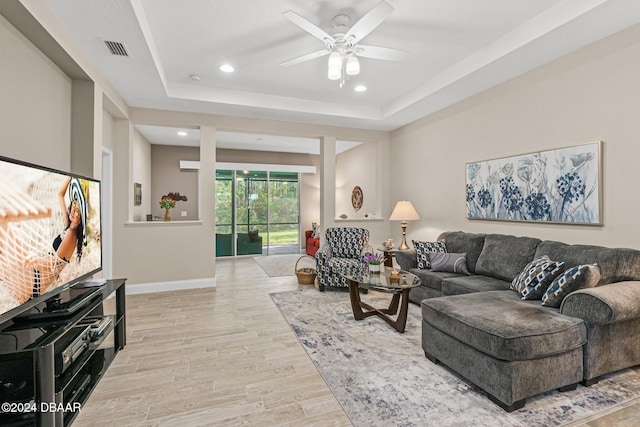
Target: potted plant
{"points": [[373, 261], [167, 203]]}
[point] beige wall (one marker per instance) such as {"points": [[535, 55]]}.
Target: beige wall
{"points": [[167, 177], [35, 105], [356, 167], [142, 175], [264, 157], [590, 95]]}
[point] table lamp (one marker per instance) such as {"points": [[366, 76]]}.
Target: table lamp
{"points": [[404, 211]]}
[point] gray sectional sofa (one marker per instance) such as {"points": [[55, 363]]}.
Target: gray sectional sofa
{"points": [[513, 348]]}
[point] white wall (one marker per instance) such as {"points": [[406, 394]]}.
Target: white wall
{"points": [[35, 103], [593, 94]]}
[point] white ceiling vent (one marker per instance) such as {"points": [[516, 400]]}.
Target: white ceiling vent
{"points": [[116, 48]]}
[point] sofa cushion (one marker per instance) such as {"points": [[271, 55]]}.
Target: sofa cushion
{"points": [[433, 279], [500, 324], [504, 256], [424, 248], [616, 264], [466, 284], [461, 242], [407, 259], [536, 277], [578, 277], [449, 262]]}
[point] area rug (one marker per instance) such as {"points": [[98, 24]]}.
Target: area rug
{"points": [[382, 378], [282, 265]]}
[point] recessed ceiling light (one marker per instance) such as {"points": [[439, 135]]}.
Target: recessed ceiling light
{"points": [[227, 68], [360, 88], [182, 133]]}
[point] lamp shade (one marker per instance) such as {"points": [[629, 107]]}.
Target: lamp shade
{"points": [[404, 211], [335, 66], [353, 66]]}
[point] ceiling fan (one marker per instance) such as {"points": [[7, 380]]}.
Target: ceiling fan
{"points": [[343, 45]]}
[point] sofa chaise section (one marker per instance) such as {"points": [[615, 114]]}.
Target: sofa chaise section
{"points": [[510, 348]]}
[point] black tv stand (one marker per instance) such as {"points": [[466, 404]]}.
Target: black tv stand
{"points": [[53, 303], [55, 308], [34, 372]]}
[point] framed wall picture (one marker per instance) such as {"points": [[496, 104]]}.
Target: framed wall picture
{"points": [[357, 198], [562, 185], [137, 194]]}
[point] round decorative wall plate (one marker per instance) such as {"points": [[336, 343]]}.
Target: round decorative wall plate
{"points": [[356, 198]]}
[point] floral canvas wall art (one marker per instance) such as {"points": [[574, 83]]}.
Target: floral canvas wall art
{"points": [[560, 186]]}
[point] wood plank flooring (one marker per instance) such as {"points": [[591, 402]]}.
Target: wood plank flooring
{"points": [[226, 357]]}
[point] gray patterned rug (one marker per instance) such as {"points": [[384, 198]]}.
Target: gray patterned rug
{"points": [[282, 265], [382, 378]]}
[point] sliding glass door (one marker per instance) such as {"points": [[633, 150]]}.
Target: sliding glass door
{"points": [[284, 212], [257, 212]]}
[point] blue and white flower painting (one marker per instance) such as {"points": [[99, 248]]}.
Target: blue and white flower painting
{"points": [[561, 185]]}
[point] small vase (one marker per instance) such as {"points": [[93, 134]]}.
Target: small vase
{"points": [[374, 268], [167, 215]]}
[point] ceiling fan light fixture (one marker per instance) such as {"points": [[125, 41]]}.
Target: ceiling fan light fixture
{"points": [[335, 66], [353, 66]]}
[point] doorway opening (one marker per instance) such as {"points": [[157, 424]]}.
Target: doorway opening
{"points": [[257, 212]]}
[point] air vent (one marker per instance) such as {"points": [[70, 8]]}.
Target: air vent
{"points": [[116, 48]]}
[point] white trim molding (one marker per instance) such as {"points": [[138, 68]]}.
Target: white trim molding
{"points": [[176, 285]]}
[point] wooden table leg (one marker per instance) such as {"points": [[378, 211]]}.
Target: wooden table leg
{"points": [[401, 320], [356, 303], [388, 259], [400, 300]]}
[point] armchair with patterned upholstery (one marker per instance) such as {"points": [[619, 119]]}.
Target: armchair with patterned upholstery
{"points": [[341, 250]]}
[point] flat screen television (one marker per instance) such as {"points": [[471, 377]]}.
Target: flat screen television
{"points": [[50, 234]]}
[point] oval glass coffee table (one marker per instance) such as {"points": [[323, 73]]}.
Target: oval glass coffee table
{"points": [[381, 282]]}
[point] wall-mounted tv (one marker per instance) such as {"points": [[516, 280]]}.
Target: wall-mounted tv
{"points": [[50, 233]]}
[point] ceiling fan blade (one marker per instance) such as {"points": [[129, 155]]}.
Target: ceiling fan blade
{"points": [[304, 58], [369, 21], [377, 52], [307, 26]]}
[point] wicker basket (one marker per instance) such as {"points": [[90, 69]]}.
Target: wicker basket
{"points": [[306, 275]]}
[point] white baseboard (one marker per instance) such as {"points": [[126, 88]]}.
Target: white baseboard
{"points": [[176, 285]]}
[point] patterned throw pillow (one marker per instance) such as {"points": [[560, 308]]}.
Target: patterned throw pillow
{"points": [[578, 277], [517, 284], [540, 278], [450, 262], [424, 248]]}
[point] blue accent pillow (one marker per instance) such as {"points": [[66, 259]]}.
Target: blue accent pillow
{"points": [[578, 277], [517, 284], [539, 278], [423, 249]]}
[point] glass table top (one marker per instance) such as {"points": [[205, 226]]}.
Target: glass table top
{"points": [[384, 279]]}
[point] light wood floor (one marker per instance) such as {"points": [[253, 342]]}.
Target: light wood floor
{"points": [[226, 357]]}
